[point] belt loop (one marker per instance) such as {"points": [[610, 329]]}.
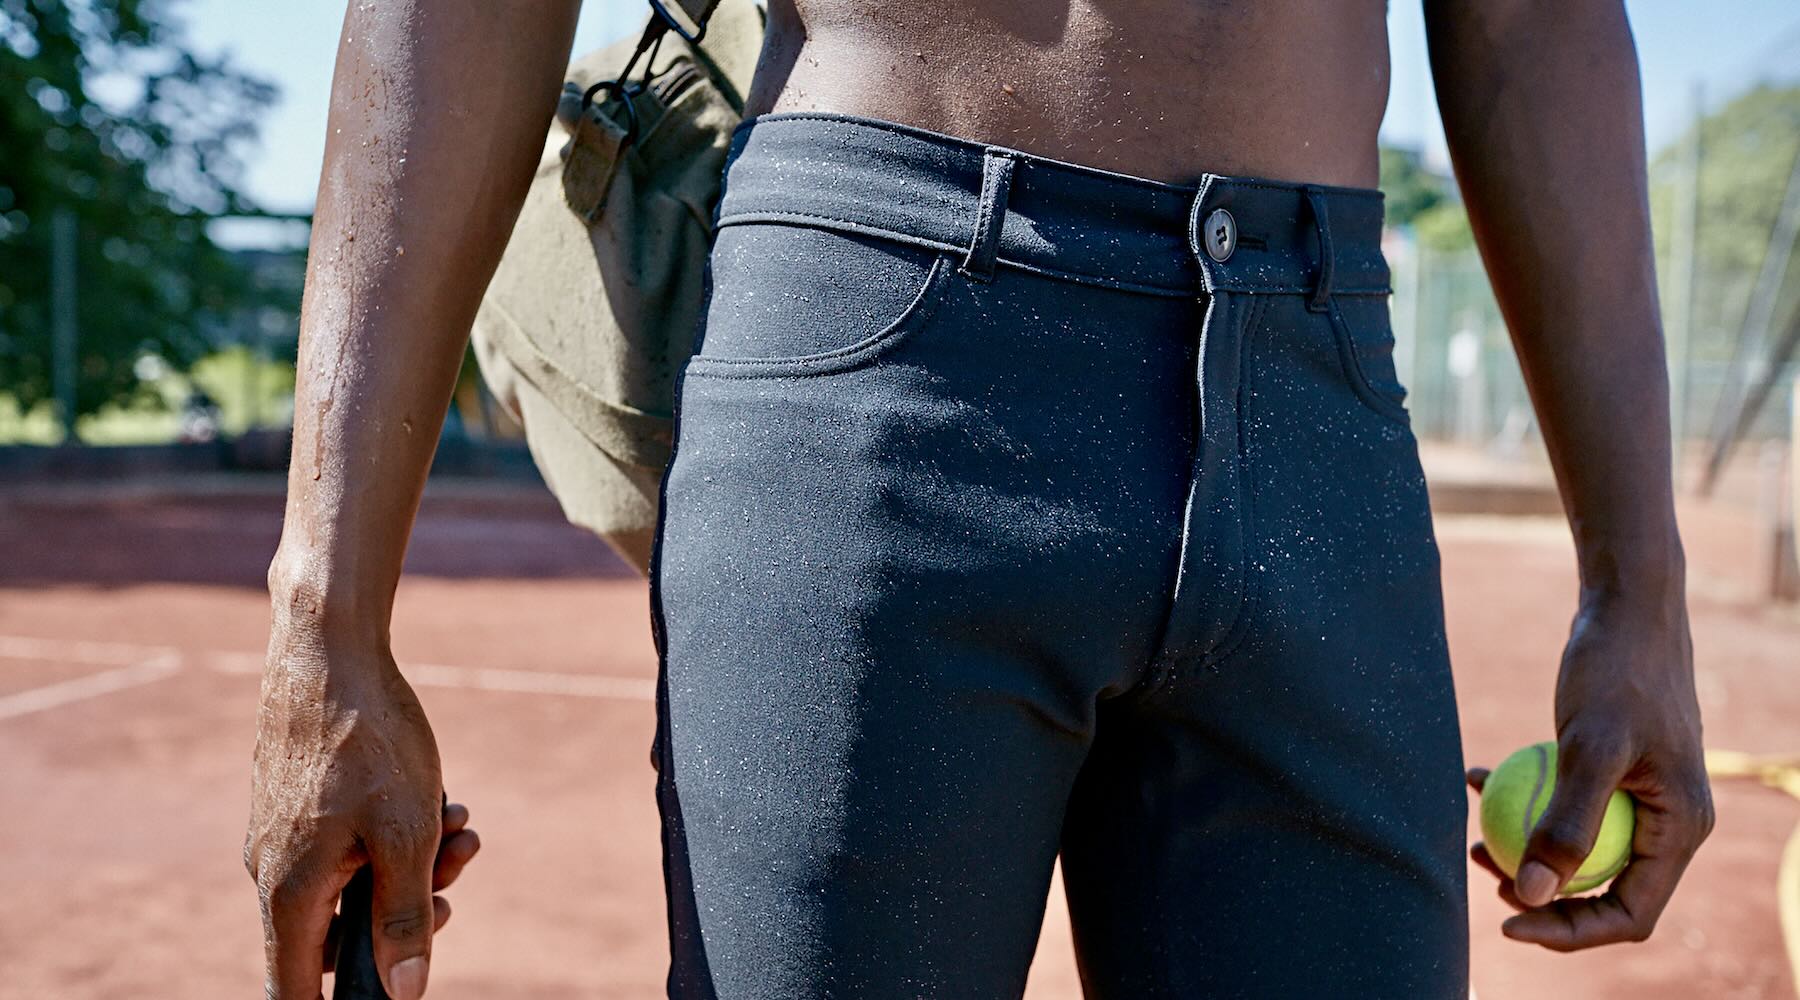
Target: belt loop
{"points": [[984, 245], [1321, 294]]}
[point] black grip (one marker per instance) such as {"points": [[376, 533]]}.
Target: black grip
{"points": [[357, 977]]}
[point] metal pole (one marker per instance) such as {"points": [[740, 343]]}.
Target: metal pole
{"points": [[252, 377], [1794, 472], [1745, 362], [1758, 394], [1775, 261], [64, 357], [1777, 523], [1684, 281]]}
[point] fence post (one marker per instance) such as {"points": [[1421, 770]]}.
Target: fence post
{"points": [[64, 355], [1793, 509], [1777, 503], [1685, 265]]}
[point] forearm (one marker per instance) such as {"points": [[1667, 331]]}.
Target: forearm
{"points": [[438, 114], [1541, 106]]}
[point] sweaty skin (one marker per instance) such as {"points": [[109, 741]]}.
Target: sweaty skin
{"points": [[1168, 89], [438, 112]]}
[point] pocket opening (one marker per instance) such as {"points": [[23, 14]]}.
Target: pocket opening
{"points": [[914, 316], [1350, 357]]}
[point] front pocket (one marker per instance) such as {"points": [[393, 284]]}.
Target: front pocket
{"points": [[1365, 337], [796, 300]]}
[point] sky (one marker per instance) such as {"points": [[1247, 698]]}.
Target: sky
{"points": [[1720, 46]]}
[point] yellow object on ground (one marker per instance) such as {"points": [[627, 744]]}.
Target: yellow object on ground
{"points": [[1783, 774]]}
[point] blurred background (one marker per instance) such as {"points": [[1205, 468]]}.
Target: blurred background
{"points": [[157, 168]]}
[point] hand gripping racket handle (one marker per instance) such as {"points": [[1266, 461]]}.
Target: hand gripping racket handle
{"points": [[357, 978]]}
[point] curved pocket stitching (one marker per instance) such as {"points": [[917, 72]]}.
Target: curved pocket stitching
{"points": [[917, 313], [1351, 361]]}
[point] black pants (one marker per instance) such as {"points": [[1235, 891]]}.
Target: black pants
{"points": [[1022, 508]]}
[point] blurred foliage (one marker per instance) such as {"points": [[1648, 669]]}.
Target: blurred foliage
{"points": [[1409, 186], [109, 115], [249, 392], [1748, 148], [1423, 201], [1445, 228]]}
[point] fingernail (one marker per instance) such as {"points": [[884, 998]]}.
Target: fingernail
{"points": [[408, 978], [1536, 883]]}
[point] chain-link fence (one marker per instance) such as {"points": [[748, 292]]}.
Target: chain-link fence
{"points": [[1464, 383]]}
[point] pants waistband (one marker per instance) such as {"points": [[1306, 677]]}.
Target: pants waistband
{"points": [[999, 207]]}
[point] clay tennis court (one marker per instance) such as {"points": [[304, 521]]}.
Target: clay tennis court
{"points": [[131, 628]]}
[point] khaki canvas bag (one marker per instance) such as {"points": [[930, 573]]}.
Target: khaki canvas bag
{"points": [[593, 309]]}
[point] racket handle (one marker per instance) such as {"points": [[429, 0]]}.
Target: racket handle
{"points": [[357, 977]]}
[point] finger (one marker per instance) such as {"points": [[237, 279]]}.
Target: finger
{"points": [[456, 816], [1661, 849], [1476, 777], [455, 852], [1479, 854], [1587, 773], [1504, 884], [1509, 894], [296, 911], [440, 913], [402, 910], [1588, 921], [1571, 924]]}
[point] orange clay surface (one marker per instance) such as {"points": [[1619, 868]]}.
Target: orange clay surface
{"points": [[131, 629]]}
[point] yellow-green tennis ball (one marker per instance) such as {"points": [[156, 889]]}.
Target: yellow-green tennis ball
{"points": [[1516, 795]]}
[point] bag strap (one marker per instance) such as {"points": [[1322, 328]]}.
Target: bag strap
{"points": [[661, 23], [698, 12], [664, 21]]}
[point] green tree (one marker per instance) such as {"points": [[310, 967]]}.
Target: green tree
{"points": [[142, 171], [1410, 188], [1423, 201], [1748, 148]]}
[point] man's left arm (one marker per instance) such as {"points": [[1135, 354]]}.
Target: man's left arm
{"points": [[1542, 108]]}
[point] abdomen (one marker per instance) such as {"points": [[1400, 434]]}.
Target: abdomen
{"points": [[1169, 89]]}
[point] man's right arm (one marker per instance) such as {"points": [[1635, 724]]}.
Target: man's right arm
{"points": [[438, 114], [1544, 117]]}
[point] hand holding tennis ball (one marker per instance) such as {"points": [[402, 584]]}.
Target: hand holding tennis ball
{"points": [[1515, 796]]}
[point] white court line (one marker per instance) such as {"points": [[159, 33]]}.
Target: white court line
{"points": [[92, 686], [143, 662], [16, 647], [531, 682], [484, 679], [147, 664]]}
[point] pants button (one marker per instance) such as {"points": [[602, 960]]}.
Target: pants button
{"points": [[1221, 235]]}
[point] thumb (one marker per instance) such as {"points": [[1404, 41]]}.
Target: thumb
{"points": [[402, 914], [1565, 834]]}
